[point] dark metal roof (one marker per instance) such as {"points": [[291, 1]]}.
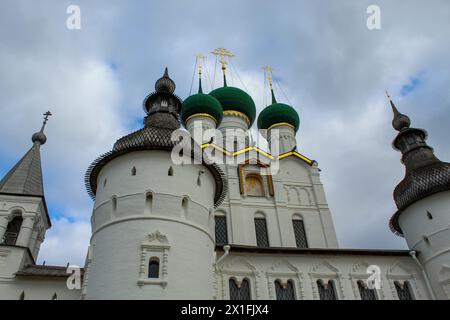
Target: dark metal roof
{"points": [[45, 271], [425, 174], [314, 251], [160, 124], [152, 138], [25, 178], [418, 184]]}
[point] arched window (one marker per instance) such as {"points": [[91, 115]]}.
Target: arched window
{"points": [[12, 230], [153, 268], [240, 291], [403, 290], [365, 292], [285, 291], [55, 296], [22, 296], [254, 185], [299, 232], [133, 171], [221, 229], [326, 290], [262, 238]]}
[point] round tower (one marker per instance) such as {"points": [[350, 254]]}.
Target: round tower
{"points": [[423, 202], [152, 223]]}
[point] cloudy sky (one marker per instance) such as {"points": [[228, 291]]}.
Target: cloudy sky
{"points": [[332, 68]]}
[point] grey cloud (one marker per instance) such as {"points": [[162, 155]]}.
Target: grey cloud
{"points": [[333, 69]]}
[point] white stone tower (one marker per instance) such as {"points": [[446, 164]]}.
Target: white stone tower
{"points": [[423, 202], [24, 217], [152, 223]]}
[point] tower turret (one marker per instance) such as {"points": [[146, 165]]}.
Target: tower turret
{"points": [[280, 117], [152, 226], [423, 202], [24, 217], [239, 110], [201, 112]]}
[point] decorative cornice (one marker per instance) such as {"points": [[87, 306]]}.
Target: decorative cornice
{"points": [[268, 155], [282, 124], [237, 114], [201, 115]]}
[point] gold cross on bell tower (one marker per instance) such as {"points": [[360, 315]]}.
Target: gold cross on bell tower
{"points": [[46, 115]]}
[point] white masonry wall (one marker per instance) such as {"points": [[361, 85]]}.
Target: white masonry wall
{"points": [[305, 269], [151, 215], [297, 192], [430, 237], [37, 288]]}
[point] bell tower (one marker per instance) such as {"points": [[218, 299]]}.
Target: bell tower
{"points": [[24, 217]]}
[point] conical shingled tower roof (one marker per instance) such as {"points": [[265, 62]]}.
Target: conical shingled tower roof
{"points": [[25, 178]]}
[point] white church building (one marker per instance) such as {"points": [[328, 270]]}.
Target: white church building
{"points": [[230, 229]]}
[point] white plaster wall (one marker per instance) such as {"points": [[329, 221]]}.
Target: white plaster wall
{"points": [[286, 139], [232, 127], [37, 288], [197, 127], [12, 259], [310, 204], [263, 269], [118, 234], [431, 238]]}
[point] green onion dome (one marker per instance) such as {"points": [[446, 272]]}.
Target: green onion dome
{"points": [[201, 103], [235, 99], [278, 113]]}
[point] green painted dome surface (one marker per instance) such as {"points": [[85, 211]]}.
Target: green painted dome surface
{"points": [[232, 98], [277, 113], [201, 103]]}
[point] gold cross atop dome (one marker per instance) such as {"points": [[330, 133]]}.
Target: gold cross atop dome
{"points": [[222, 52], [200, 61], [268, 72]]}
